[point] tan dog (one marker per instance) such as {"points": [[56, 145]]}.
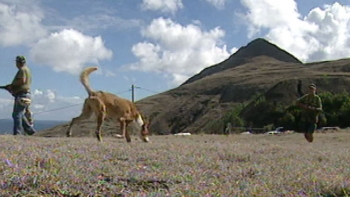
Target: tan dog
{"points": [[107, 105]]}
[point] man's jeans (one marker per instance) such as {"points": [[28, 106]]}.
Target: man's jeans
{"points": [[19, 119]]}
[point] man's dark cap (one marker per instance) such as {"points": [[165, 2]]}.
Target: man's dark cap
{"points": [[21, 59], [312, 86]]}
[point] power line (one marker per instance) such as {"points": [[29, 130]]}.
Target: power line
{"points": [[69, 106], [123, 92], [133, 87], [149, 90], [66, 107]]}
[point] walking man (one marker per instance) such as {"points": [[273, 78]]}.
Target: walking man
{"points": [[20, 89], [312, 107]]}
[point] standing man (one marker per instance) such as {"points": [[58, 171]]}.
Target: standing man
{"points": [[312, 107], [20, 89]]}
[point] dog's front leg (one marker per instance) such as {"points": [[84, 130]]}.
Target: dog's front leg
{"points": [[125, 132]]}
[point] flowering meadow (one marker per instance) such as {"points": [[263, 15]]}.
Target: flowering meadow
{"points": [[196, 165]]}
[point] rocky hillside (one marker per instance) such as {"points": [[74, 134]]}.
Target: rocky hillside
{"points": [[260, 68]]}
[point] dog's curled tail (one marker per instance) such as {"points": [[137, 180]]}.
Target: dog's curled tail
{"points": [[84, 78]]}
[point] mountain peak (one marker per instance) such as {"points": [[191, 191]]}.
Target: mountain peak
{"points": [[260, 46], [257, 47]]}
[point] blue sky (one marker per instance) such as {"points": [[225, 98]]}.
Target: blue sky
{"points": [[153, 44]]}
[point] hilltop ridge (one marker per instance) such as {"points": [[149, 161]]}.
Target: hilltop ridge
{"points": [[256, 48]]}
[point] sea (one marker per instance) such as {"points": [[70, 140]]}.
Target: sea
{"points": [[6, 125]]}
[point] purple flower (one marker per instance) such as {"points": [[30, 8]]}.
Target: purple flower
{"points": [[8, 162], [302, 193]]}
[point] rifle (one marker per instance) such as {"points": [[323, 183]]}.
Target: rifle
{"points": [[5, 87]]}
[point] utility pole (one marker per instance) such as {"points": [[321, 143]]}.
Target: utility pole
{"points": [[133, 92]]}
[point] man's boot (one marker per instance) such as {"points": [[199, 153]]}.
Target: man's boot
{"points": [[309, 137]]}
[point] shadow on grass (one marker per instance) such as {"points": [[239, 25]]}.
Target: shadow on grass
{"points": [[336, 192], [105, 185]]}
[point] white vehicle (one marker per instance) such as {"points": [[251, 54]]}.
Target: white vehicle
{"points": [[278, 130], [182, 134]]}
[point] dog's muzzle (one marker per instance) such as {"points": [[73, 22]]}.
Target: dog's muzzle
{"points": [[145, 138]]}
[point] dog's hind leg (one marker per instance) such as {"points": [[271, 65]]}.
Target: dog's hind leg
{"points": [[85, 114], [100, 119], [100, 111]]}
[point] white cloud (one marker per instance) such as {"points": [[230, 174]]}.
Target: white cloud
{"points": [[6, 101], [44, 97], [69, 50], [20, 23], [51, 106], [98, 22], [178, 51], [320, 35], [37, 106], [170, 6], [217, 3], [109, 73]]}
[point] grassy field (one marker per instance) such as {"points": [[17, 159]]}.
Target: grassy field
{"points": [[202, 165]]}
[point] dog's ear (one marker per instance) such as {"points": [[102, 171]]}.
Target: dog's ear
{"points": [[147, 121]]}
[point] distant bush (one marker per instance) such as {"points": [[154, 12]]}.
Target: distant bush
{"points": [[336, 107], [233, 117]]}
